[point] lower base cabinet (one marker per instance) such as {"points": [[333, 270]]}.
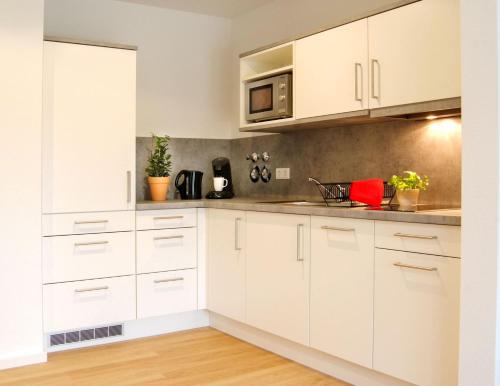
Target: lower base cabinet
{"points": [[166, 293], [277, 274], [86, 303], [342, 258], [416, 330]]}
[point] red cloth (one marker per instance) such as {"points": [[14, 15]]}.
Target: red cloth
{"points": [[369, 192]]}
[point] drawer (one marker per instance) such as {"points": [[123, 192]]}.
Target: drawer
{"points": [[430, 239], [166, 249], [88, 303], [81, 223], [168, 218], [166, 293], [80, 257]]}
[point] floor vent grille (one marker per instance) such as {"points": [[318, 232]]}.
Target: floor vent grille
{"points": [[85, 335]]}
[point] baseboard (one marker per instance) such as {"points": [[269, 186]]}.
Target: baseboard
{"points": [[317, 360], [18, 361], [143, 328]]}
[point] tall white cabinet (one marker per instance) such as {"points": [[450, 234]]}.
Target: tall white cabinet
{"points": [[88, 128], [88, 186]]}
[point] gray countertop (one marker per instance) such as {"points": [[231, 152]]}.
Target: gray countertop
{"points": [[441, 217]]}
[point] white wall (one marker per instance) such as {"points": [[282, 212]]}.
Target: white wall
{"points": [[480, 328], [182, 62], [21, 31], [282, 20]]}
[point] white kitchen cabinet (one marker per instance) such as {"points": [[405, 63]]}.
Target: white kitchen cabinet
{"points": [[442, 240], [416, 319], [166, 218], [88, 303], [331, 71], [91, 256], [165, 293], [226, 262], [415, 53], [342, 261], [277, 277], [166, 249], [89, 102]]}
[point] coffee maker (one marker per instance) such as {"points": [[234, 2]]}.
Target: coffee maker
{"points": [[222, 168]]}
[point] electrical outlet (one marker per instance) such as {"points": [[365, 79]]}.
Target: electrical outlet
{"points": [[282, 173]]}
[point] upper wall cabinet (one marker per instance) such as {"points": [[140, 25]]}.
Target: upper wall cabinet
{"points": [[415, 53], [331, 71], [88, 128]]}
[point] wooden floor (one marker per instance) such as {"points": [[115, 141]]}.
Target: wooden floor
{"points": [[196, 357]]}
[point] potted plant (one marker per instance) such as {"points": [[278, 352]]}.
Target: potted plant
{"points": [[408, 187], [159, 168]]}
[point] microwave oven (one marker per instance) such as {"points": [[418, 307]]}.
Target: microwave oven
{"points": [[269, 98]]}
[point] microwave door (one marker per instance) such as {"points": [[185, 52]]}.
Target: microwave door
{"points": [[261, 99]]}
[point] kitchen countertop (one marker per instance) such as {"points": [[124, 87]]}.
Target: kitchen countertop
{"points": [[440, 217]]}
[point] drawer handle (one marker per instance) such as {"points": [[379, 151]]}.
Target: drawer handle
{"points": [[415, 236], [168, 218], [401, 265], [169, 280], [91, 222], [168, 237], [91, 289], [327, 228], [91, 243]]}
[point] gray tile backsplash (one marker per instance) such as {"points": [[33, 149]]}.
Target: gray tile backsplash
{"points": [[187, 153], [338, 154]]}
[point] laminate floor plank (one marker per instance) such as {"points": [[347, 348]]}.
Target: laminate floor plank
{"points": [[200, 357]]}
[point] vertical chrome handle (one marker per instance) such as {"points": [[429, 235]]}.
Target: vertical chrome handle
{"points": [[129, 186], [300, 243], [237, 246], [375, 62], [358, 95]]}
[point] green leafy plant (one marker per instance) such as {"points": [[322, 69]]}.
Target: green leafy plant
{"points": [[159, 162], [409, 180]]}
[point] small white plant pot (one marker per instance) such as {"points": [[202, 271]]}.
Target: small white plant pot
{"points": [[408, 199]]}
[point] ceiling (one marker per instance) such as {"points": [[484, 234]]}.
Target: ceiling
{"points": [[223, 8]]}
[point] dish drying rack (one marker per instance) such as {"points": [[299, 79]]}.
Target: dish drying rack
{"points": [[337, 193]]}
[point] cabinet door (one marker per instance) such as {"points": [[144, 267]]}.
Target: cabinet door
{"points": [[417, 317], [415, 53], [88, 128], [278, 251], [226, 263], [331, 74], [342, 259]]}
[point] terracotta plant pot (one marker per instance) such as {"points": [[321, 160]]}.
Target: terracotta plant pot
{"points": [[159, 187], [408, 199]]}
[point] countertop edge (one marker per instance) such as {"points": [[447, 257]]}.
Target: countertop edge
{"points": [[437, 217]]}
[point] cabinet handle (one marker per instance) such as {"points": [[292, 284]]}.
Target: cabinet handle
{"points": [[327, 228], [129, 186], [168, 218], [237, 246], [375, 62], [300, 237], [401, 265], [168, 237], [91, 222], [91, 243], [356, 82], [91, 289], [408, 236], [168, 280]]}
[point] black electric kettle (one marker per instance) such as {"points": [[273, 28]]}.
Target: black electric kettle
{"points": [[188, 183]]}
